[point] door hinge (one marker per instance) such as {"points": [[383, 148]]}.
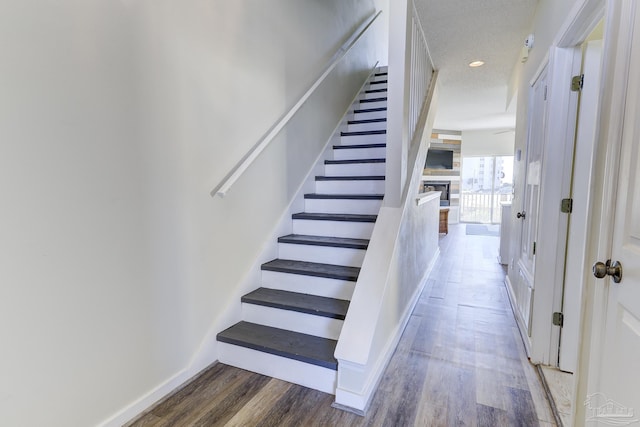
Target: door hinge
{"points": [[558, 319], [545, 93], [577, 82], [534, 248], [566, 206]]}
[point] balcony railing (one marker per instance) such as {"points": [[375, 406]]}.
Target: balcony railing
{"points": [[482, 207]]}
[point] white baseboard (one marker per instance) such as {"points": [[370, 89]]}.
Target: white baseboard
{"points": [[136, 408]]}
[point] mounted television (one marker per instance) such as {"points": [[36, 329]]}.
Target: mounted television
{"points": [[439, 159]]}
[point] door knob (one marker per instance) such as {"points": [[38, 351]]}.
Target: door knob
{"points": [[520, 215], [600, 270]]}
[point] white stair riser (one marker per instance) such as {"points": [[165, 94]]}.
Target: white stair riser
{"points": [[378, 85], [350, 229], [293, 371], [370, 115], [363, 139], [368, 105], [382, 69], [355, 169], [379, 78], [360, 153], [304, 323], [363, 207], [321, 286], [322, 254], [350, 187], [372, 95], [362, 127]]}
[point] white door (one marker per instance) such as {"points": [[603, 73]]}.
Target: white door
{"points": [[580, 193], [528, 213], [614, 397]]}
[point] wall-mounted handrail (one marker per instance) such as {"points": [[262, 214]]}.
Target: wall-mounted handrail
{"points": [[223, 187]]}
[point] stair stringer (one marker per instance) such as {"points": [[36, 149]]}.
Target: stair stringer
{"points": [[390, 280], [208, 351]]}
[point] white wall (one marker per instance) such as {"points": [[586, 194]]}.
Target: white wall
{"points": [[494, 142], [117, 119], [382, 32]]}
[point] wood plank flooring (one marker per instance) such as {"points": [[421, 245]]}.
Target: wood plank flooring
{"points": [[460, 362]]}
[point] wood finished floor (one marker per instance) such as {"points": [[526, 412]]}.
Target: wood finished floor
{"points": [[460, 362]]}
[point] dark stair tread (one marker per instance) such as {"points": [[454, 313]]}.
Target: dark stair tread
{"points": [[364, 132], [384, 73], [345, 196], [302, 303], [379, 82], [335, 217], [373, 99], [361, 122], [356, 146], [369, 110], [352, 161], [351, 178], [375, 90], [280, 342], [306, 268], [334, 242]]}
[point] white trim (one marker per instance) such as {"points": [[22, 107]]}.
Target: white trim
{"points": [[440, 177], [223, 187], [555, 185], [446, 136], [138, 406], [582, 195], [582, 19], [543, 65], [425, 197]]}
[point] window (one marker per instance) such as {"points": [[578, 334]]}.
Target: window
{"points": [[486, 183]]}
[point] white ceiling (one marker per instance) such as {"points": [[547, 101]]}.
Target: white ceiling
{"points": [[461, 31]]}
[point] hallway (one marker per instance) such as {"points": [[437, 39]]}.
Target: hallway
{"points": [[460, 361]]}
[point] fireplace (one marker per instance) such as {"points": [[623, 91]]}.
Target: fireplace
{"points": [[443, 186]]}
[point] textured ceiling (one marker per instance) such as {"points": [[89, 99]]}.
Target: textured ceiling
{"points": [[461, 31]]}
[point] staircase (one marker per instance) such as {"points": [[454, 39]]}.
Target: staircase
{"points": [[291, 324]]}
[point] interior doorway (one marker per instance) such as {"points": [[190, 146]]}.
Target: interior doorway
{"points": [[561, 380]]}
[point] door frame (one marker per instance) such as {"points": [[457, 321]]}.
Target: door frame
{"points": [[582, 184], [565, 61], [555, 185], [613, 93]]}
